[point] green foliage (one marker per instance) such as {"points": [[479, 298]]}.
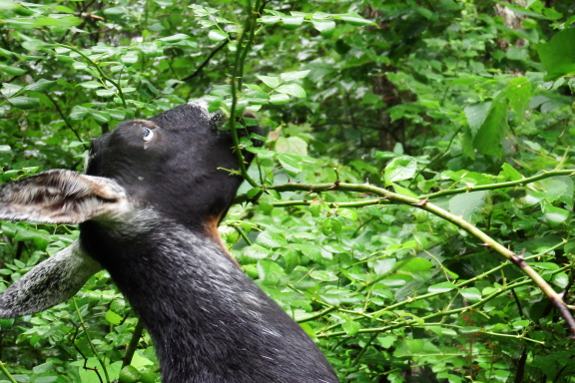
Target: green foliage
{"points": [[445, 103]]}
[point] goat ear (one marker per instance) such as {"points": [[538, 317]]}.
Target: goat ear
{"points": [[50, 282], [60, 196]]}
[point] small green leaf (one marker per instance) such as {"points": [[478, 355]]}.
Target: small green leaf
{"points": [[471, 294], [351, 327], [441, 287], [292, 22], [354, 19], [217, 35], [113, 318], [105, 92], [91, 85]]}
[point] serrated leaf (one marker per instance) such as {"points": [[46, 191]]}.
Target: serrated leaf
{"points": [[489, 137], [476, 115], [558, 55], [466, 205], [292, 90], [400, 168], [271, 240]]}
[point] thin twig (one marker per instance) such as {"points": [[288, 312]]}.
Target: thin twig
{"points": [[205, 62], [133, 343]]}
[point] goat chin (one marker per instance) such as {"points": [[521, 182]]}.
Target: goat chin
{"points": [[148, 210]]}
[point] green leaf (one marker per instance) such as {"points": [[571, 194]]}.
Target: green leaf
{"points": [[466, 205], [354, 19], [488, 139], [510, 173], [291, 76], [558, 55], [79, 112], [292, 22], [400, 168], [555, 215], [416, 264], [23, 102], [91, 84], [113, 318], [351, 327], [12, 71], [271, 240], [292, 90], [324, 26], [217, 35], [41, 85], [476, 115], [106, 92], [293, 145], [270, 272], [290, 163], [471, 294], [272, 82], [441, 287], [279, 99]]}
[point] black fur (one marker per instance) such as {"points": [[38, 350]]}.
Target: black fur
{"points": [[208, 320]]}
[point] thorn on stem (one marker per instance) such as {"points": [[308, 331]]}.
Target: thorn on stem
{"points": [[423, 203]]}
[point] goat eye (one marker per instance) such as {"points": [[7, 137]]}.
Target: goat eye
{"points": [[147, 134]]}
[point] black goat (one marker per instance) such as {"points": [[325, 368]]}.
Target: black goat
{"points": [[148, 211]]}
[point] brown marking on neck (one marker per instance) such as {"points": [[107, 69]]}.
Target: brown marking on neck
{"points": [[211, 227]]}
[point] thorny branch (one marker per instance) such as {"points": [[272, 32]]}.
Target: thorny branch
{"points": [[386, 196]]}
